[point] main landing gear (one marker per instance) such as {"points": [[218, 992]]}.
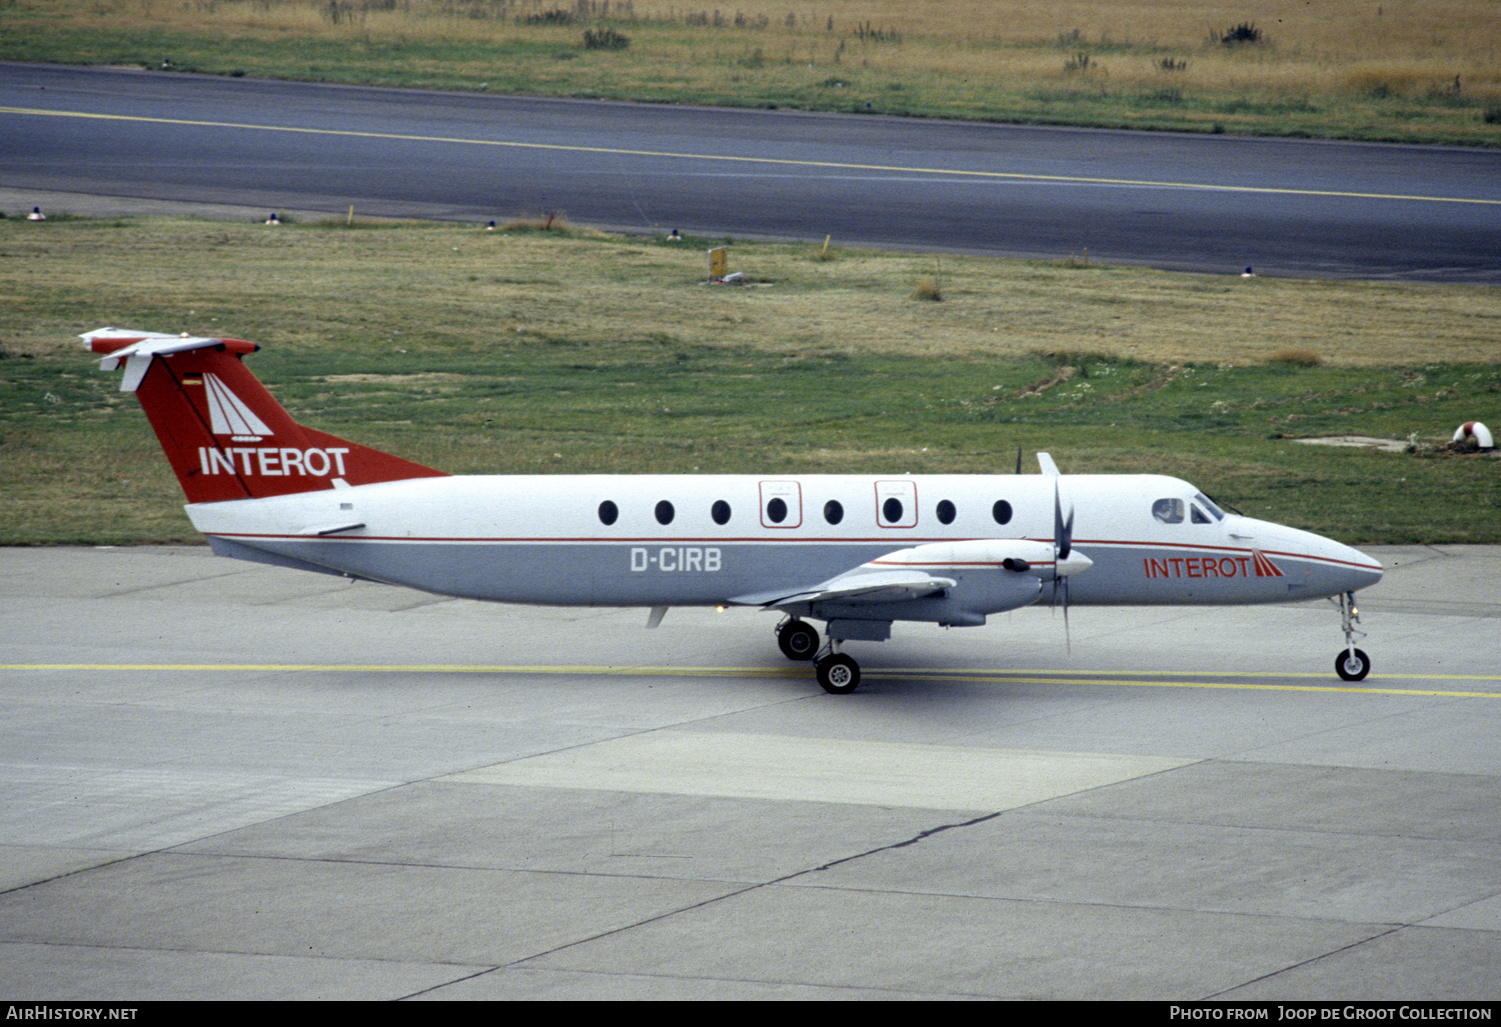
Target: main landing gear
{"points": [[797, 639], [1351, 664], [837, 673]]}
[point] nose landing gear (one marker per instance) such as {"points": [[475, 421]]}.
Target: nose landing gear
{"points": [[1351, 664]]}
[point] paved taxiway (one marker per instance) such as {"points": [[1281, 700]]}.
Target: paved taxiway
{"points": [[1209, 203], [230, 781]]}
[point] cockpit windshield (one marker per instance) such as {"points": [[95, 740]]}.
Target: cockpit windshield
{"points": [[1208, 504]]}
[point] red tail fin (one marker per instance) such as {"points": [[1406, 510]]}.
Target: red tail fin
{"points": [[225, 436]]}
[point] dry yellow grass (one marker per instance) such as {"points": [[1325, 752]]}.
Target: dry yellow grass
{"points": [[1317, 47], [382, 286], [1312, 29]]}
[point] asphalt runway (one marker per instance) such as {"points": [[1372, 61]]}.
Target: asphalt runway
{"points": [[229, 781], [1185, 202]]}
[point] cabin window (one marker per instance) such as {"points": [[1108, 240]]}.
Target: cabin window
{"points": [[609, 513], [946, 512], [1199, 516], [896, 503], [781, 504], [1001, 512], [720, 511], [833, 511], [1210, 506], [665, 512], [1168, 511]]}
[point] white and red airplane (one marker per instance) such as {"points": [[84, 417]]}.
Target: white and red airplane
{"points": [[854, 551]]}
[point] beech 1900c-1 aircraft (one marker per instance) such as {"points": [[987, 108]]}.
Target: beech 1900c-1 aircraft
{"points": [[854, 551]]}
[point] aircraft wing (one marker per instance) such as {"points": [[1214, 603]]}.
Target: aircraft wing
{"points": [[856, 586], [978, 575]]}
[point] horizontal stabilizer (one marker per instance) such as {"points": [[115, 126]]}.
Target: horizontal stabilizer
{"points": [[136, 350]]}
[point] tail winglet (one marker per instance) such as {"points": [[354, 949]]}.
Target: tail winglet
{"points": [[224, 434]]}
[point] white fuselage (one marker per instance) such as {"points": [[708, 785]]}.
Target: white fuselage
{"points": [[664, 540]]}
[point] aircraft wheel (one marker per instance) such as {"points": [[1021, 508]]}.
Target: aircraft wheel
{"points": [[798, 640], [1352, 664], [838, 674]]}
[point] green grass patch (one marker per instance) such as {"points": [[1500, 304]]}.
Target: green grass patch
{"points": [[572, 352]]}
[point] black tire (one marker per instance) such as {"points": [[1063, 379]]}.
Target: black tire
{"points": [[1352, 665], [838, 674], [798, 640]]}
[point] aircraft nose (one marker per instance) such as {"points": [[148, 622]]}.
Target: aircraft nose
{"points": [[1350, 570], [1326, 567], [1370, 572]]}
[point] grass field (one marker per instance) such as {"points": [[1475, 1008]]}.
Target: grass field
{"points": [[569, 351], [1410, 70]]}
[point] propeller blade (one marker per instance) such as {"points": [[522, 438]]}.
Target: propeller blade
{"points": [[1063, 530], [1063, 545], [1018, 460], [1060, 598], [1068, 642]]}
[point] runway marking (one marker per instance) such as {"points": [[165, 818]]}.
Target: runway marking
{"points": [[1104, 679], [783, 768], [778, 161]]}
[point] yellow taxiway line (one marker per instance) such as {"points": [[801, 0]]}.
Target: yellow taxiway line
{"points": [[1101, 679]]}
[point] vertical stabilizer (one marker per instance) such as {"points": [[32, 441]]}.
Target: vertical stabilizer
{"points": [[224, 434]]}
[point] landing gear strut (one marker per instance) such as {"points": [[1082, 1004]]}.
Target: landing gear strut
{"points": [[1351, 664]]}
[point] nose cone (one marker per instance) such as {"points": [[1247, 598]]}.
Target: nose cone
{"points": [[1354, 569], [1328, 567], [1312, 564]]}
